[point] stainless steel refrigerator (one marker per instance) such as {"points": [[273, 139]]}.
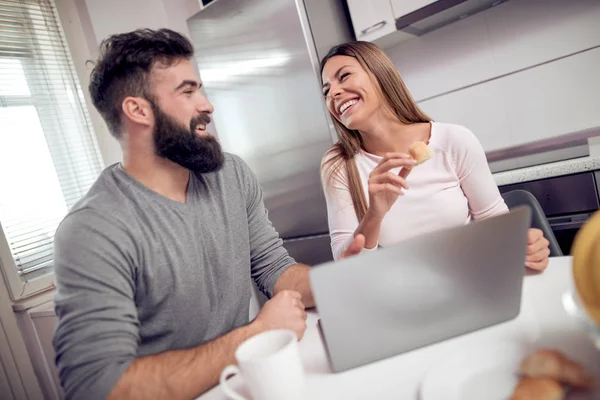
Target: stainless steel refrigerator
{"points": [[258, 60]]}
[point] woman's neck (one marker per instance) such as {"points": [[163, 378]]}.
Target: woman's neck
{"points": [[385, 134]]}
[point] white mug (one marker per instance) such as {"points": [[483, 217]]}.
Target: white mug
{"points": [[270, 365]]}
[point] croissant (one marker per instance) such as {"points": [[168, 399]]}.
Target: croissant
{"points": [[538, 389], [552, 364]]}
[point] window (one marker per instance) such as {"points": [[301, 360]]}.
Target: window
{"points": [[48, 154]]}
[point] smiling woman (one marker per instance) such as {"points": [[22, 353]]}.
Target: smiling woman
{"points": [[370, 184], [360, 98]]}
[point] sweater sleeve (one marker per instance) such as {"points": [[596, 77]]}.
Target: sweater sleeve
{"points": [[269, 259], [476, 178], [97, 334]]}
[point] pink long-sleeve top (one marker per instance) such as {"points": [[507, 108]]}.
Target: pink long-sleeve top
{"points": [[451, 189]]}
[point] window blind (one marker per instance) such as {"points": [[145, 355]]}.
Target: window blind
{"points": [[48, 154]]}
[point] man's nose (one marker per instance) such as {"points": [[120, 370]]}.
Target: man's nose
{"points": [[204, 106]]}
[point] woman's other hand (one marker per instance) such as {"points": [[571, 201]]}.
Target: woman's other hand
{"points": [[538, 250]]}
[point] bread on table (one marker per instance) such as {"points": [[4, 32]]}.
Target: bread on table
{"points": [[538, 389], [552, 364]]}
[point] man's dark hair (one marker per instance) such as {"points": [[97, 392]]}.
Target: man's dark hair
{"points": [[124, 65]]}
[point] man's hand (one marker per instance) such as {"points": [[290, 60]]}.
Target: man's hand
{"points": [[356, 246], [284, 311], [188, 373], [537, 250]]}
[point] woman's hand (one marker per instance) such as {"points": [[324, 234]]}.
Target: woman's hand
{"points": [[384, 186], [356, 246], [537, 250]]}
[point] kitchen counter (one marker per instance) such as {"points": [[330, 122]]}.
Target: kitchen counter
{"points": [[547, 170]]}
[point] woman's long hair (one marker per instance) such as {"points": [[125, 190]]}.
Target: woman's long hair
{"points": [[391, 88]]}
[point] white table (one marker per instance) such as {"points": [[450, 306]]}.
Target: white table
{"points": [[543, 320]]}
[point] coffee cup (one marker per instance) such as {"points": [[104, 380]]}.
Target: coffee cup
{"points": [[270, 365]]}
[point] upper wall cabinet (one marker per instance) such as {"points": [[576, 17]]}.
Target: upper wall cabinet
{"points": [[371, 19], [388, 22], [405, 7]]}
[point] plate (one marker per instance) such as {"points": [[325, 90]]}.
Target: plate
{"points": [[485, 371]]}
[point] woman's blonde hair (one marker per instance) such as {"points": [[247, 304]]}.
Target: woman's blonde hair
{"points": [[391, 88]]}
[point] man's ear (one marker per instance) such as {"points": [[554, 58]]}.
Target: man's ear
{"points": [[137, 110]]}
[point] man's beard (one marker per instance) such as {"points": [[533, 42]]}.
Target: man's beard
{"points": [[183, 145]]}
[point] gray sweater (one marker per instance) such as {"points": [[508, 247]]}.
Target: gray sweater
{"points": [[140, 274]]}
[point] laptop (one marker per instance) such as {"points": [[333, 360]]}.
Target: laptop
{"points": [[424, 290]]}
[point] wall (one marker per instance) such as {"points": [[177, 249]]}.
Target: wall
{"points": [[37, 325], [326, 26], [87, 22], [523, 71], [17, 377]]}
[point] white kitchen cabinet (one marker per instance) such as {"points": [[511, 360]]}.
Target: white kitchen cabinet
{"points": [[446, 60], [480, 108], [522, 34], [402, 7], [371, 19], [536, 104], [554, 99]]}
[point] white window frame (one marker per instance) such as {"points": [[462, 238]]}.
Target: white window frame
{"points": [[20, 288]]}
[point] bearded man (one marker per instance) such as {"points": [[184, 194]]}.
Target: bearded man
{"points": [[153, 266]]}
